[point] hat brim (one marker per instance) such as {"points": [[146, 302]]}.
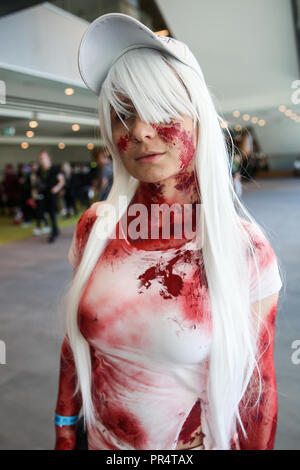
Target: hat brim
{"points": [[106, 39]]}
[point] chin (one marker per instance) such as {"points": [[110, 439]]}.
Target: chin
{"points": [[151, 176]]}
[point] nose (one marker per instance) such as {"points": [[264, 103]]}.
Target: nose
{"points": [[140, 130]]}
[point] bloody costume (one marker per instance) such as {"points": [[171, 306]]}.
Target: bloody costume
{"points": [[146, 316]]}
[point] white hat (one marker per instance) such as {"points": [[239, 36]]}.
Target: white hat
{"points": [[111, 35]]}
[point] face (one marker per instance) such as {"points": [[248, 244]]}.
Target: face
{"points": [[34, 167], [101, 158], [172, 144], [45, 159]]}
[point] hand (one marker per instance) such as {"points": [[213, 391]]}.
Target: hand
{"points": [[65, 437]]}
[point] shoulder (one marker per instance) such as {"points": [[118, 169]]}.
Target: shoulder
{"points": [[267, 281], [82, 232], [87, 220], [262, 247]]}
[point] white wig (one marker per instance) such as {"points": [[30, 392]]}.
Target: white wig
{"points": [[161, 88]]}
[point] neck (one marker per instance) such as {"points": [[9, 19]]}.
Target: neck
{"points": [[179, 189]]}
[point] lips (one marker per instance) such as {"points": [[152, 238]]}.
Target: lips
{"points": [[149, 154]]}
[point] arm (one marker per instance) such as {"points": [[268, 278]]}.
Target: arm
{"points": [[59, 185], [260, 422], [67, 403]]}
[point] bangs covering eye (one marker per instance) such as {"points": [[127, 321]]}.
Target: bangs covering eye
{"points": [[143, 81]]}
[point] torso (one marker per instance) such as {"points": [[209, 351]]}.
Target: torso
{"points": [[162, 294]]}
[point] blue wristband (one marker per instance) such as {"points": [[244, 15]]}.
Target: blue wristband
{"points": [[65, 420]]}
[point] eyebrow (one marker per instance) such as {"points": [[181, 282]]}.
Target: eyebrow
{"points": [[130, 108]]}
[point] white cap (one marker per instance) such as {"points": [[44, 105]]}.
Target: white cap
{"points": [[111, 35]]}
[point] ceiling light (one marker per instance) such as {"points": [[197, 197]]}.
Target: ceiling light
{"points": [[24, 145], [33, 124], [282, 108], [61, 145], [75, 127], [69, 91]]}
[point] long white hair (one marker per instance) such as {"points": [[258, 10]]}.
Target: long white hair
{"points": [[161, 88]]}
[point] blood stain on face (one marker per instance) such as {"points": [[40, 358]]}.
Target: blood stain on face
{"points": [[173, 134], [186, 156], [123, 143], [168, 133]]}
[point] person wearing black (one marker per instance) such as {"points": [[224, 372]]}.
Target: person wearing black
{"points": [[70, 189], [106, 175], [52, 181], [25, 189], [38, 197]]}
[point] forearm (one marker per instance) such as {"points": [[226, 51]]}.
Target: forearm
{"points": [[68, 403], [59, 185], [260, 421], [57, 188]]}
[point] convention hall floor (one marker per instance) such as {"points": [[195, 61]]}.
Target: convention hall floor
{"points": [[33, 275]]}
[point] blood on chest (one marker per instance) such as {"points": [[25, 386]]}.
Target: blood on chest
{"points": [[138, 300]]}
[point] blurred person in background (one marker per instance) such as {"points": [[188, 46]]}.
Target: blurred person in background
{"points": [[53, 181], [85, 184], [297, 167], [38, 198], [25, 195], [70, 189], [236, 175], [106, 175], [11, 189], [2, 196]]}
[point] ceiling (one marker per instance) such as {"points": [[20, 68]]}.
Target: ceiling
{"points": [[247, 50], [248, 53], [38, 61]]}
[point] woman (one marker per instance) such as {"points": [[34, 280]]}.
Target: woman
{"points": [[169, 340]]}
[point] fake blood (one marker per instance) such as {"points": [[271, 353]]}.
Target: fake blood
{"points": [[191, 424], [123, 143], [185, 181], [172, 283], [172, 134], [124, 425]]}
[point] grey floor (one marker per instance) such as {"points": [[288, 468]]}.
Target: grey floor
{"points": [[33, 276]]}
